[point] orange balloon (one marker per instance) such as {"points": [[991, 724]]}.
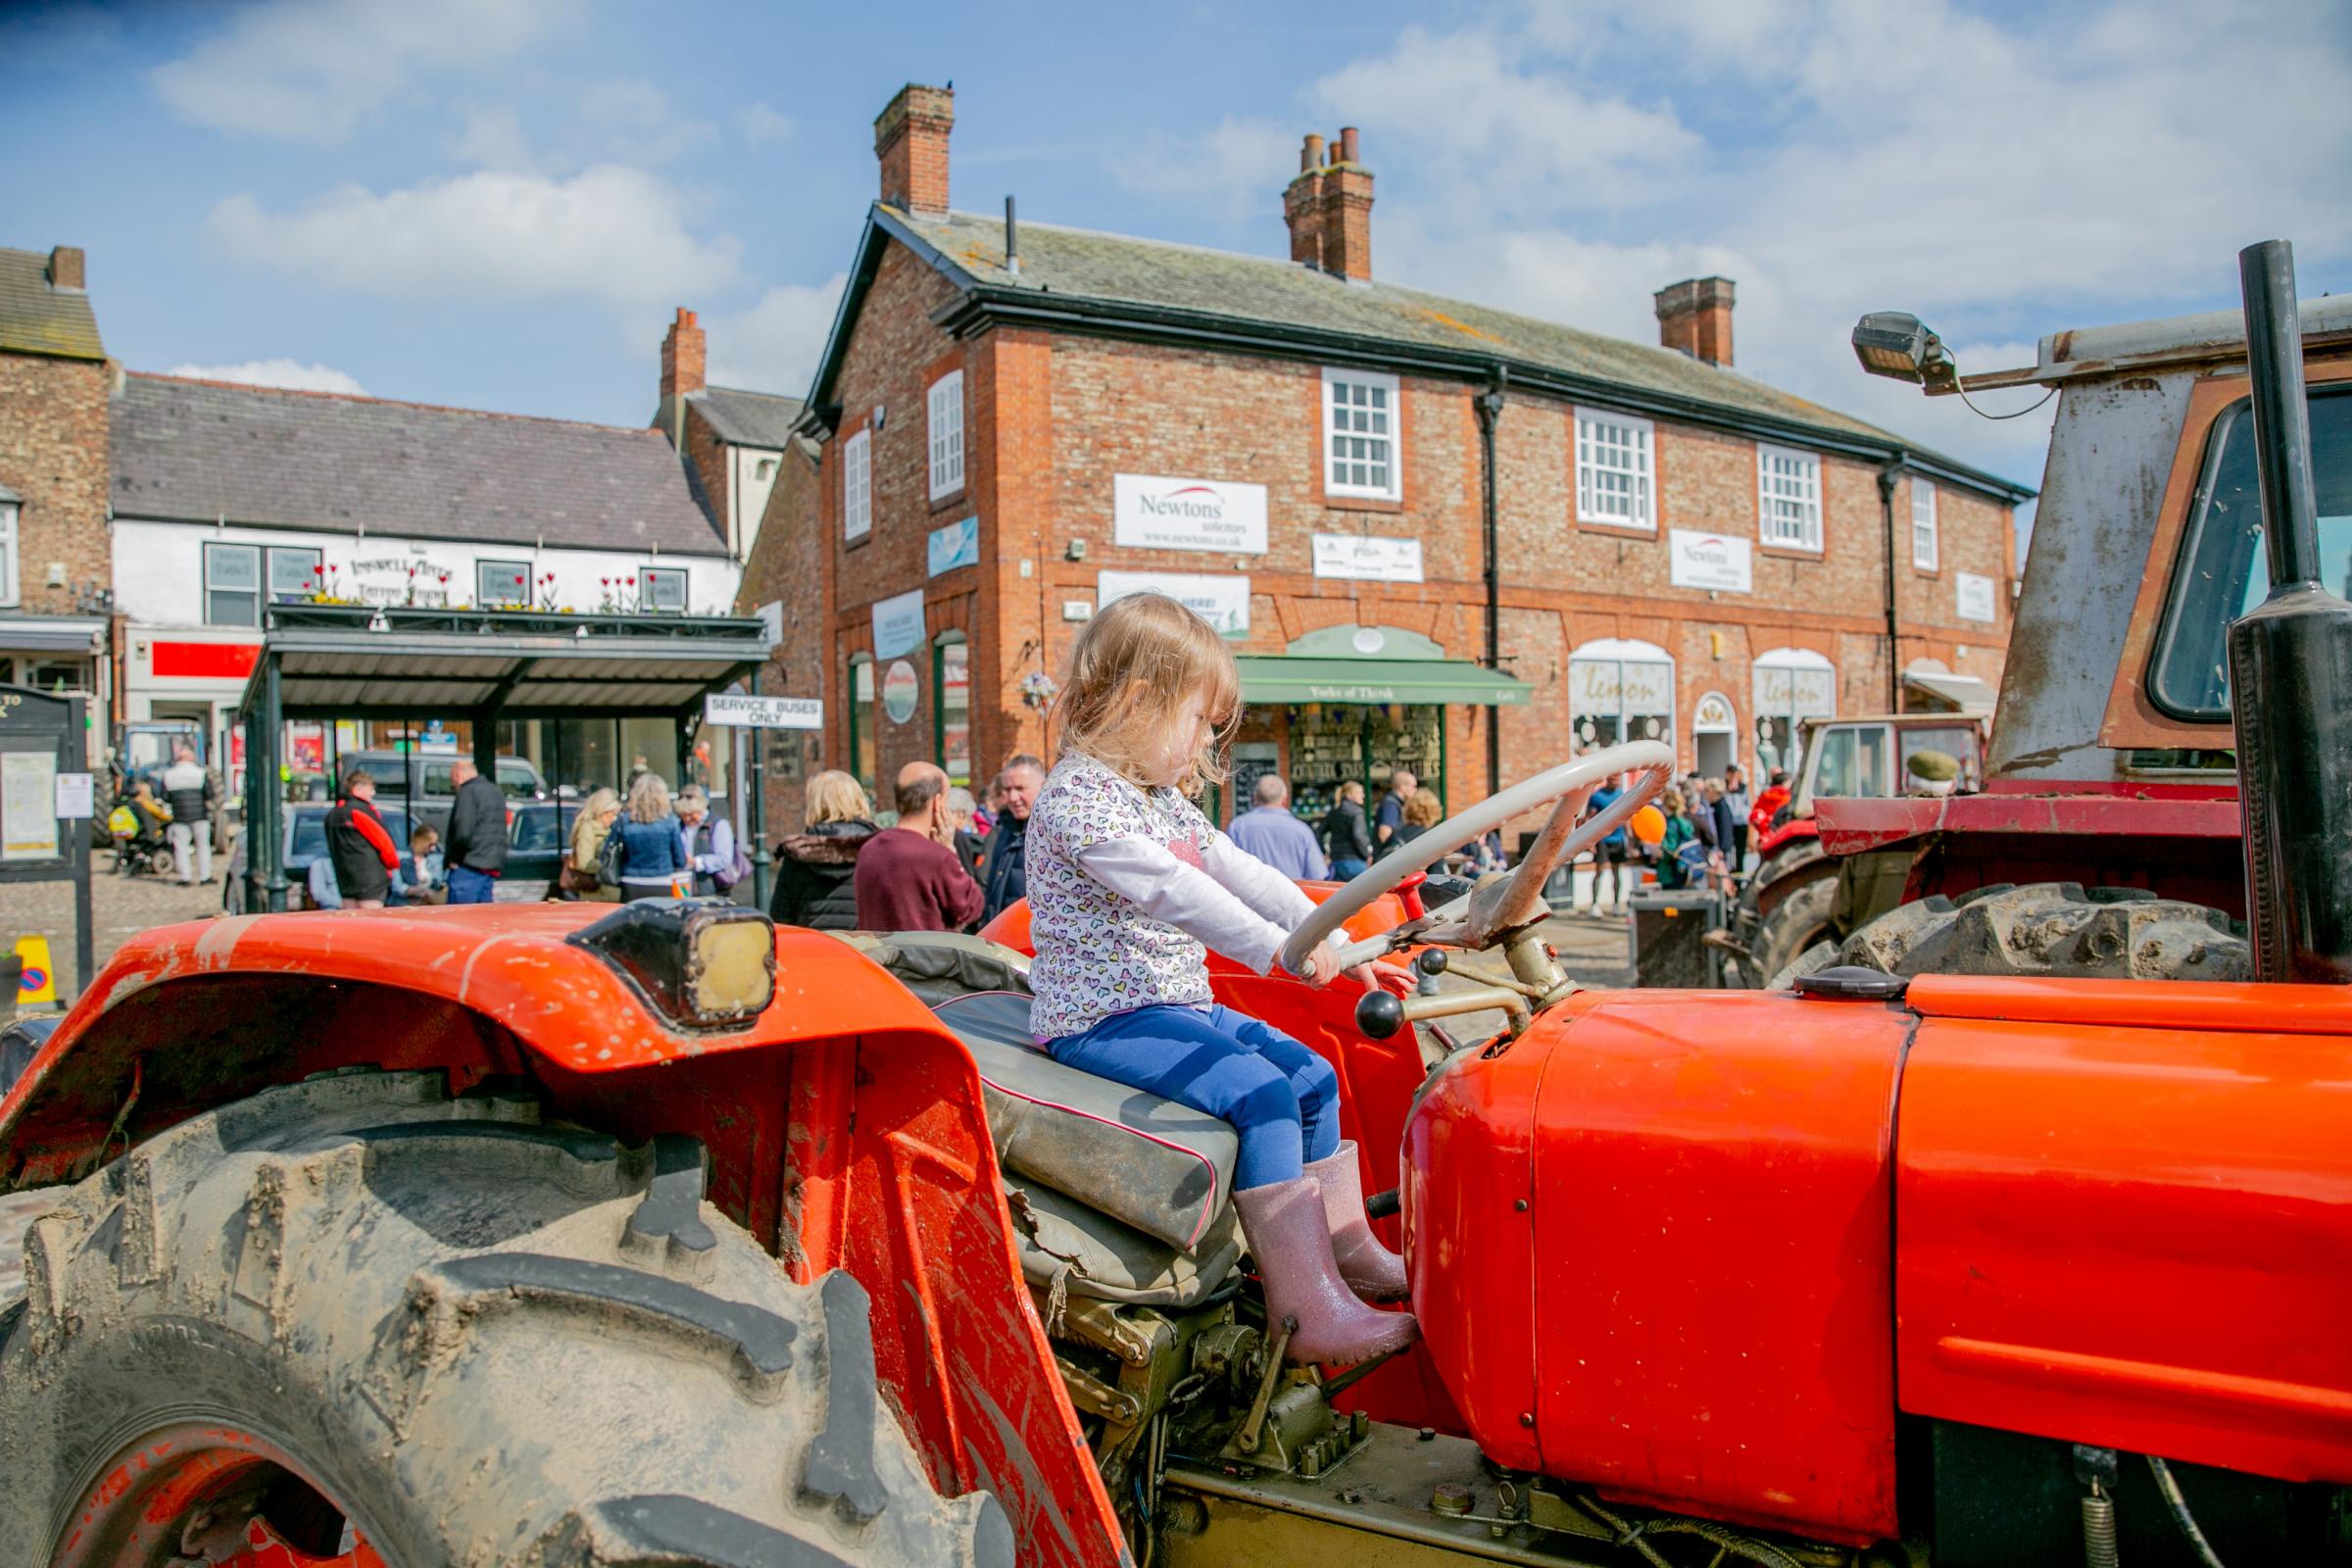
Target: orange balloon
{"points": [[1650, 825]]}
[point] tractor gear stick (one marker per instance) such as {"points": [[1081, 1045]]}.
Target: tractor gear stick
{"points": [[1370, 1270], [1290, 1241]]}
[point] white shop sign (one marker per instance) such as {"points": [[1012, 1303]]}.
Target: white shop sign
{"points": [[1156, 513], [763, 713], [1363, 560], [1973, 596], [1807, 693], [899, 623], [1711, 561], [1223, 601], [1606, 685]]}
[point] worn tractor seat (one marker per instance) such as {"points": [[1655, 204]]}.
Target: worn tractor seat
{"points": [[1160, 1166]]}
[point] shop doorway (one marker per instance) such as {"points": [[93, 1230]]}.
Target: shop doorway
{"points": [[1714, 735]]}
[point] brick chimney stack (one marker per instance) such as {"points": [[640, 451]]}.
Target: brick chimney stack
{"points": [[1328, 207], [682, 359], [911, 142], [64, 267], [1695, 316]]}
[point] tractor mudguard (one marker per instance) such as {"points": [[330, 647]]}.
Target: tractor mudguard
{"points": [[2123, 1211], [844, 1127]]}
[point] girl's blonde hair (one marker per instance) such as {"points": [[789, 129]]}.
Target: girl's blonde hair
{"points": [[1424, 810], [649, 799], [1671, 802], [1134, 665], [835, 797]]}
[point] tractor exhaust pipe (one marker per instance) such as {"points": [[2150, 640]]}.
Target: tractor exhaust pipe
{"points": [[2290, 671]]}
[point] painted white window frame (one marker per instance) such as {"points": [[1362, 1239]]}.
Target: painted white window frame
{"points": [[857, 487], [507, 574], [11, 590], [1800, 489], [946, 429], [1629, 444], [258, 590], [653, 577], [1373, 423], [1924, 540]]}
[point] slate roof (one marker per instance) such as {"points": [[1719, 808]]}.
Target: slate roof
{"points": [[36, 319], [747, 419], [1097, 281], [197, 450]]}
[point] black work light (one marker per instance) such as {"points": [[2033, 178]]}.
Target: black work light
{"points": [[702, 962], [1897, 345]]}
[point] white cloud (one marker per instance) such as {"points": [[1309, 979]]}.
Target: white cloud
{"points": [[773, 347], [292, 375], [611, 234], [1236, 167], [494, 138], [761, 125], [631, 119], [310, 70]]}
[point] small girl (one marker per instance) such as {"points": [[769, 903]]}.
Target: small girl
{"points": [[1128, 885]]}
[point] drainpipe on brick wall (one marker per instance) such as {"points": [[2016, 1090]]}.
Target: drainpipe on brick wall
{"points": [[1894, 630], [1488, 405]]}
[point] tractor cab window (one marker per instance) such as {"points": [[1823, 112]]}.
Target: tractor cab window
{"points": [[1855, 763], [1959, 743], [2224, 570]]}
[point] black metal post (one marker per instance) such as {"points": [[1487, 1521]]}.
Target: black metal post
{"points": [[2290, 671], [1490, 409], [1894, 630], [271, 836], [86, 939], [755, 809]]}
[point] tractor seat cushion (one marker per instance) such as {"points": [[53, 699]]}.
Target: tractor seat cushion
{"points": [[1067, 1246], [1159, 1167]]}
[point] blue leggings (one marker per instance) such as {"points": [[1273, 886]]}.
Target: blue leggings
{"points": [[1280, 1096]]}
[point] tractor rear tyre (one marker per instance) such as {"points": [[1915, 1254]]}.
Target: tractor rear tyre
{"points": [[369, 1321], [2042, 928], [1797, 925]]}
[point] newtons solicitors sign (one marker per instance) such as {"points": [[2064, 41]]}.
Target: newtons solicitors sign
{"points": [[1212, 515]]}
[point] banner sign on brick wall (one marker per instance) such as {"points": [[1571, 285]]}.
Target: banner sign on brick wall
{"points": [[1155, 514], [899, 623], [955, 545], [1974, 597], [1366, 560], [1712, 560], [1221, 601]]}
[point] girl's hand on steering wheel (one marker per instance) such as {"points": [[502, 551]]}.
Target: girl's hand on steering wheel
{"points": [[1322, 966]]}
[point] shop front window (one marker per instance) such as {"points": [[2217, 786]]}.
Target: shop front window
{"points": [[1793, 685], [1621, 691], [951, 714], [1334, 743]]}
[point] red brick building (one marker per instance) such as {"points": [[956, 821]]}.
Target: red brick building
{"points": [[1018, 425]]}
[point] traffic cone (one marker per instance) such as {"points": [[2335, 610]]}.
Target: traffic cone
{"points": [[38, 986]]}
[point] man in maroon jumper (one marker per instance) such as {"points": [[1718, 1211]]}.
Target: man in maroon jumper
{"points": [[909, 878]]}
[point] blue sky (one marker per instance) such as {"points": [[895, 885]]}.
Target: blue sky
{"points": [[497, 203]]}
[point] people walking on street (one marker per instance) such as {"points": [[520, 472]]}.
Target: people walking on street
{"points": [[1270, 831], [1734, 794], [1423, 810], [709, 845], [431, 885], [1003, 871], [813, 866], [909, 877], [1718, 810], [968, 844], [1609, 856], [1390, 815], [358, 845], [189, 791], [1765, 815], [649, 860], [477, 835], [582, 874], [1674, 869], [1347, 835], [141, 826]]}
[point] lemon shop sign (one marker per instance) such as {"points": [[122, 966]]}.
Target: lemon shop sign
{"points": [[1212, 515]]}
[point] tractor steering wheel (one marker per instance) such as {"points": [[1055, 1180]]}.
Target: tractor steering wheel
{"points": [[1494, 908]]}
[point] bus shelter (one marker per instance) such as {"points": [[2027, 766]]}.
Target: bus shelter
{"points": [[329, 663]]}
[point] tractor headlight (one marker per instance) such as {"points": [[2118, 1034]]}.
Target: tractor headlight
{"points": [[1897, 345], [701, 963]]}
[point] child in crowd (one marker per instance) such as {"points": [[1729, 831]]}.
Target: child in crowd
{"points": [[1129, 885]]}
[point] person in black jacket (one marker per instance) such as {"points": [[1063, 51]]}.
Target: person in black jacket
{"points": [[477, 836], [814, 868], [359, 846], [189, 790], [1346, 836], [1005, 869]]}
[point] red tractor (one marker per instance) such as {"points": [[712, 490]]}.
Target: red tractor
{"points": [[658, 1236]]}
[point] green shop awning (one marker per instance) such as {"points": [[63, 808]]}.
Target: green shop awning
{"points": [[1291, 678]]}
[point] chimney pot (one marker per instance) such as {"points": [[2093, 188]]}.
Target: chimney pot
{"points": [[1347, 144], [910, 143], [1310, 156], [65, 267], [1694, 318]]}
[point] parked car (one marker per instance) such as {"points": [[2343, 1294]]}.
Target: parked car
{"points": [[539, 832], [305, 841], [420, 782]]}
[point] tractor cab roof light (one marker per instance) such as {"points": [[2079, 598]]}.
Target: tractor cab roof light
{"points": [[702, 963]]}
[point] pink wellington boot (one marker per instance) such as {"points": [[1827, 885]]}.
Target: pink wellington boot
{"points": [[1292, 1244], [1370, 1270]]}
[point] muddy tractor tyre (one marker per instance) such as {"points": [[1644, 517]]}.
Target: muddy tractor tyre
{"points": [[354, 1310], [2042, 928], [1797, 925]]}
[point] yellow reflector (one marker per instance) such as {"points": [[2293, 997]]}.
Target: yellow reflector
{"points": [[732, 972]]}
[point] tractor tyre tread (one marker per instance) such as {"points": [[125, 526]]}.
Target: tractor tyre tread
{"points": [[1796, 923], [495, 1340], [2046, 929]]}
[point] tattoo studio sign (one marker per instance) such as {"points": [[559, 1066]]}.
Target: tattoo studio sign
{"points": [[1212, 515]]}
